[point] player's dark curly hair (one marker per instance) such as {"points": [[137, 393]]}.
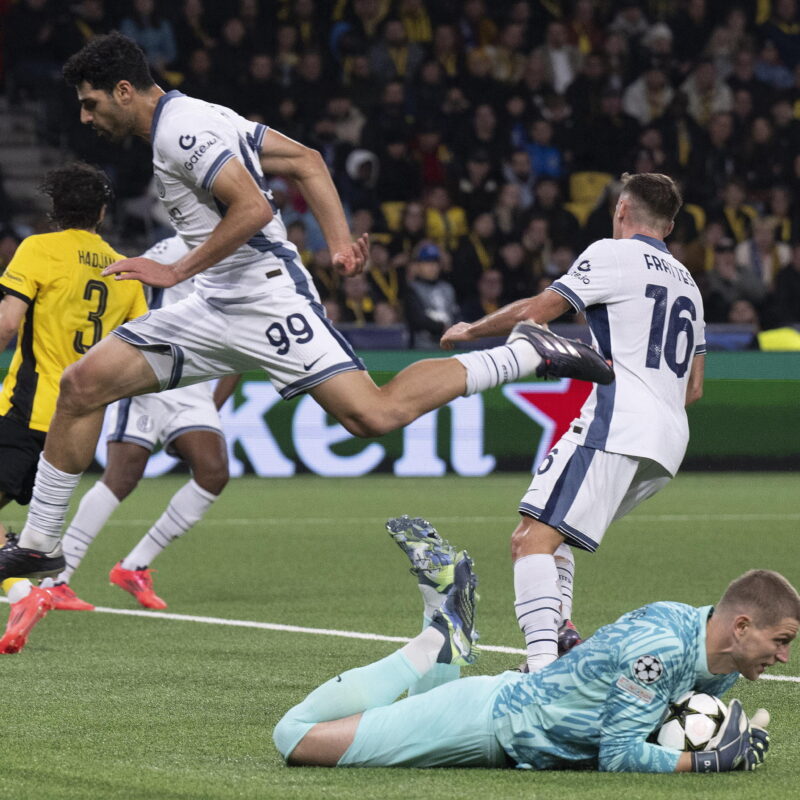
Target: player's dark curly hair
{"points": [[106, 60], [78, 192]]}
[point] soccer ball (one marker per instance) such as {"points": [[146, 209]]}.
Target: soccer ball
{"points": [[691, 722]]}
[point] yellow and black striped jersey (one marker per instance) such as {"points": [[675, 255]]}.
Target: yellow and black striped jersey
{"points": [[71, 306]]}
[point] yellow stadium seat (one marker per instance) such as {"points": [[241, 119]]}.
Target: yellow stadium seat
{"points": [[586, 187]]}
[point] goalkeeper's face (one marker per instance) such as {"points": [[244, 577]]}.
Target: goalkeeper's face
{"points": [[755, 648], [110, 114]]}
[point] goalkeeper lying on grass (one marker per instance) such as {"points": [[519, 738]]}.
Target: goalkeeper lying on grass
{"points": [[595, 707]]}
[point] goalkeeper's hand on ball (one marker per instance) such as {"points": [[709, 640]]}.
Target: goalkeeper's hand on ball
{"points": [[741, 744]]}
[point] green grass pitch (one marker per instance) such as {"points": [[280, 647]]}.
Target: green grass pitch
{"points": [[110, 706]]}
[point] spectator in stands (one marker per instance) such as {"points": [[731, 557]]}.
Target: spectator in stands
{"points": [[477, 82], [707, 93], [393, 56], [648, 97], [562, 224], [488, 299], [770, 69], [193, 31], [761, 254], [80, 23], [411, 233], [619, 62], [546, 158], [537, 244], [446, 50], [692, 28], [585, 93], [431, 154], [517, 276], [743, 76], [727, 283], [783, 31], [400, 177], [614, 134], [728, 39], [476, 26], [477, 187], [201, 80], [509, 212], [31, 52], [417, 21], [475, 255], [733, 212], [600, 222], [429, 90], [584, 30], [518, 170], [356, 301], [743, 312], [761, 163], [712, 164], [445, 222], [390, 117], [535, 85], [153, 33], [507, 56], [561, 59], [785, 302], [348, 121], [483, 133], [387, 279], [784, 211], [431, 306], [259, 93]]}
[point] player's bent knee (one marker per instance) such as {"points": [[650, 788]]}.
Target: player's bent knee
{"points": [[532, 537], [288, 733], [78, 391]]}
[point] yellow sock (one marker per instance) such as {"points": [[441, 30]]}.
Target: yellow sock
{"points": [[16, 588]]}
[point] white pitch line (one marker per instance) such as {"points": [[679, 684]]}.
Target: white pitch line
{"points": [[380, 521], [275, 626]]}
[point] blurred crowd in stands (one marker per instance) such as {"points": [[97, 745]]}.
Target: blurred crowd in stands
{"points": [[479, 142]]}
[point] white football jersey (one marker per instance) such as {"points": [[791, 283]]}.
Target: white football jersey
{"points": [[192, 141], [646, 315]]}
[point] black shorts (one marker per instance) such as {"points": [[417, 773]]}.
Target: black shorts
{"points": [[19, 456]]}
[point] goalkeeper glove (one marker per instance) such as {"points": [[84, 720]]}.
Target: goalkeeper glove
{"points": [[738, 745]]}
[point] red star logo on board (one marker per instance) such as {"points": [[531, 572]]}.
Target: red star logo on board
{"points": [[552, 404]]}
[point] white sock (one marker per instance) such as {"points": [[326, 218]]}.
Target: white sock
{"points": [[52, 492], [187, 507], [538, 607], [19, 589], [423, 650], [565, 564], [432, 601], [497, 365], [97, 505]]}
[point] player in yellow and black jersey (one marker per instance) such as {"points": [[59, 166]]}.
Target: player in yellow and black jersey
{"points": [[56, 300]]}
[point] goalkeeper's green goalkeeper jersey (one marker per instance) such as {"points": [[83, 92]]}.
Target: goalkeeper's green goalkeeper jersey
{"points": [[597, 705]]}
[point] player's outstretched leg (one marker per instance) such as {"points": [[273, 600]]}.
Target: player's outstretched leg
{"points": [[432, 558], [139, 583], [25, 613], [456, 618], [562, 358]]}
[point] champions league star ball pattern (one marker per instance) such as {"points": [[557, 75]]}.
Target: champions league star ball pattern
{"points": [[691, 722]]}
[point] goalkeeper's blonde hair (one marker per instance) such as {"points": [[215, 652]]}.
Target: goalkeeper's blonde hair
{"points": [[766, 596]]}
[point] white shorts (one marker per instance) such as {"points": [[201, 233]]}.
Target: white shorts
{"points": [[286, 334], [580, 491], [149, 419]]}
